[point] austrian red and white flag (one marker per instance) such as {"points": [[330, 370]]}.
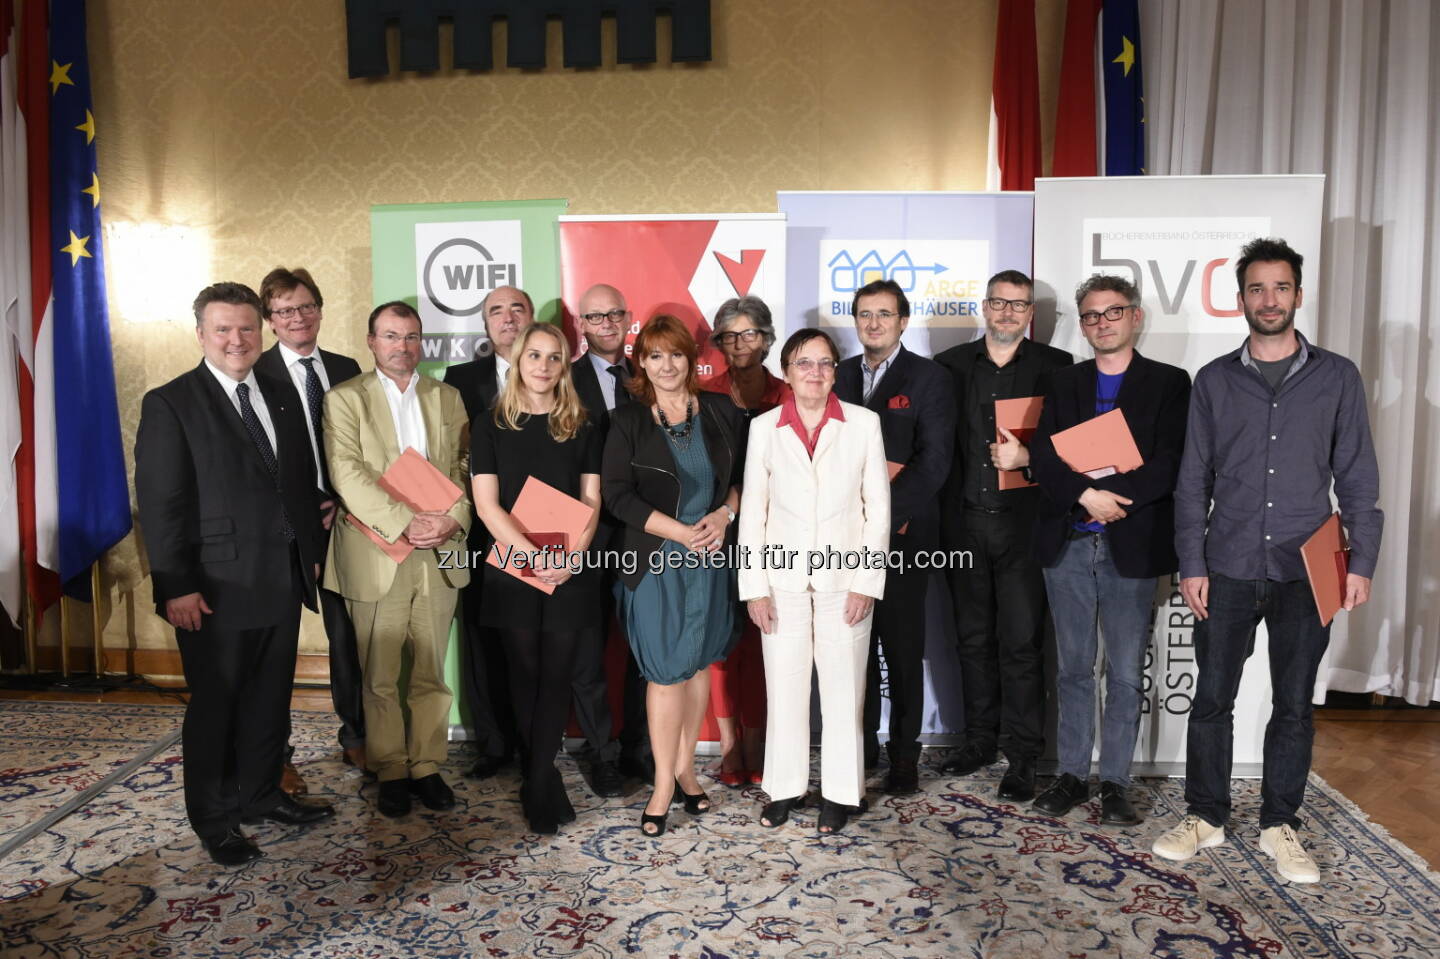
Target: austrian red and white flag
{"points": [[15, 330], [1014, 160]]}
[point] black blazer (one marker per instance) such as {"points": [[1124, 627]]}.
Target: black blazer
{"points": [[475, 379], [916, 405], [338, 369], [1155, 398], [1033, 362], [210, 512], [639, 475], [587, 383]]}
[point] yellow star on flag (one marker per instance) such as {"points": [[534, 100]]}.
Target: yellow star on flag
{"points": [[76, 248], [1127, 54], [93, 189], [60, 76], [88, 128]]}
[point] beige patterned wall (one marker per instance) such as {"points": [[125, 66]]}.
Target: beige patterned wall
{"points": [[231, 140]]}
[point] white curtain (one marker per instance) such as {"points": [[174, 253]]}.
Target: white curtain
{"points": [[1350, 89]]}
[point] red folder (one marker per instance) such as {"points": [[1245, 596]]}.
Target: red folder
{"points": [[894, 469], [1327, 563], [1099, 446], [550, 519], [1020, 416], [414, 481]]}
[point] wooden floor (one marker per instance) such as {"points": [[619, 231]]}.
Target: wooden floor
{"points": [[1386, 761]]}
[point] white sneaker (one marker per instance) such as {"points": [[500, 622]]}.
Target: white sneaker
{"points": [[1291, 859], [1185, 840]]}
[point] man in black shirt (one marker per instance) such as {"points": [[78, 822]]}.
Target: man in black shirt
{"points": [[1000, 600]]}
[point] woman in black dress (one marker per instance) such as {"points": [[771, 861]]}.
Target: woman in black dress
{"points": [[538, 428]]}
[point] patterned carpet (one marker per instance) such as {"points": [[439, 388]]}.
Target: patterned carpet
{"points": [[948, 872]]}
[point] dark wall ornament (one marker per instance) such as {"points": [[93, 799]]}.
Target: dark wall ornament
{"points": [[367, 22]]}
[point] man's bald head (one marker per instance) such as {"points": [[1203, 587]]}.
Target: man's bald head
{"points": [[603, 315]]}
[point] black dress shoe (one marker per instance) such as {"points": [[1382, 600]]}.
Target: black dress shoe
{"points": [[394, 799], [1115, 808], [1064, 794], [231, 849], [606, 779], [485, 767], [904, 778], [640, 766], [292, 812], [872, 751], [1019, 782], [968, 759], [433, 792]]}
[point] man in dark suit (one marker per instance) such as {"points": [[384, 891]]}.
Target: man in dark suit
{"points": [[292, 304], [1103, 540], [912, 395], [485, 683], [232, 525], [999, 601], [600, 375]]}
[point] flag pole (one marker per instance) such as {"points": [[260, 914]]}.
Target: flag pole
{"points": [[32, 651], [65, 636], [95, 626]]}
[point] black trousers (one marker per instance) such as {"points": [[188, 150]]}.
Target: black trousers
{"points": [[1000, 611], [485, 678], [592, 693], [899, 632], [237, 720], [541, 665], [344, 669]]}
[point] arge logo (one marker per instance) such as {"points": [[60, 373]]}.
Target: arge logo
{"points": [[457, 265], [1183, 266], [943, 279]]}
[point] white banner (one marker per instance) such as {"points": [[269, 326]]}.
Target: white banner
{"points": [[1177, 239]]}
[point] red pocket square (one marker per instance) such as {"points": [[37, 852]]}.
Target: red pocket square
{"points": [[900, 402]]}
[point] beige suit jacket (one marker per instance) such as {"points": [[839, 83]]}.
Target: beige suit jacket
{"points": [[360, 444]]}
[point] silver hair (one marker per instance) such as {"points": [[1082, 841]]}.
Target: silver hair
{"points": [[750, 306]]}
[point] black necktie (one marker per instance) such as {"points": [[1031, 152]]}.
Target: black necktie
{"points": [[622, 376], [315, 402], [262, 443]]}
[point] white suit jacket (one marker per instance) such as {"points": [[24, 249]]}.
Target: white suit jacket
{"points": [[840, 501]]}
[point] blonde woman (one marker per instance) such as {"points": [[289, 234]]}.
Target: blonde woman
{"points": [[538, 428]]}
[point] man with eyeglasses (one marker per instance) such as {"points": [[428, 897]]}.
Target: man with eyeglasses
{"points": [[912, 396], [485, 675], [999, 603], [399, 606], [292, 305], [1103, 540], [600, 376], [1272, 425]]}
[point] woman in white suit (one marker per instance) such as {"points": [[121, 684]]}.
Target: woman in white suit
{"points": [[815, 517]]}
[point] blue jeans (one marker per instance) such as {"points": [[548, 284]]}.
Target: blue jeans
{"points": [[1085, 592], [1222, 644]]}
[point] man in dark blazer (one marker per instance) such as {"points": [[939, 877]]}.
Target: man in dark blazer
{"points": [[1103, 538], [600, 375], [913, 396], [999, 601], [291, 303], [230, 516], [485, 680]]}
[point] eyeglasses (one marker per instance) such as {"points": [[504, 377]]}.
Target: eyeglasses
{"points": [[885, 316], [998, 305], [743, 336], [306, 310], [390, 339], [805, 364], [1113, 314], [600, 319]]}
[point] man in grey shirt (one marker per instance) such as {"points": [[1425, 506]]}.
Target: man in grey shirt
{"points": [[1271, 424]]}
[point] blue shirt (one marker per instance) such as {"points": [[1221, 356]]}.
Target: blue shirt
{"points": [[1107, 388]]}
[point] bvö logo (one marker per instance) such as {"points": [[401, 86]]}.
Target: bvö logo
{"points": [[1180, 271], [460, 273]]}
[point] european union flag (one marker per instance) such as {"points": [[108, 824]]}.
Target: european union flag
{"points": [[1124, 91], [92, 499]]}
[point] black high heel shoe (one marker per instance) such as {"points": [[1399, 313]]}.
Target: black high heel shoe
{"points": [[777, 813], [834, 816], [692, 802], [657, 821]]}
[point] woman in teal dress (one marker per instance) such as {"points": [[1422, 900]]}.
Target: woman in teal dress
{"points": [[670, 473]]}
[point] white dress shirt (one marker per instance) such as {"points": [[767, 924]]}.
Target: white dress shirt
{"points": [[297, 376], [606, 378], [405, 413], [257, 402], [502, 370], [874, 376]]}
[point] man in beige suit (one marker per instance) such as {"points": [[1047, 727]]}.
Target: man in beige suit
{"points": [[369, 421]]}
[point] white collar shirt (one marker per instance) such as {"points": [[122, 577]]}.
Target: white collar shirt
{"points": [[257, 402], [296, 369], [405, 413], [606, 378]]}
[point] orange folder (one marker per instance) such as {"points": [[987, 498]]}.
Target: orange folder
{"points": [[1020, 416], [414, 481], [894, 470], [1100, 446], [1327, 562], [550, 519]]}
